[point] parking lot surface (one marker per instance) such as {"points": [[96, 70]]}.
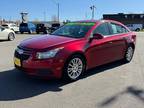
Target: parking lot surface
{"points": [[114, 85]]}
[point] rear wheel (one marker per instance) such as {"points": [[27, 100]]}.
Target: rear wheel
{"points": [[129, 54], [37, 32], [30, 32], [138, 29], [11, 36], [45, 32], [74, 68]]}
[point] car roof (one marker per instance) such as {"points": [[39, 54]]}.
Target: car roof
{"points": [[8, 23], [97, 21], [86, 21]]}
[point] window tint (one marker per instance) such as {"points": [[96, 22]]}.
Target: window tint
{"points": [[124, 30], [102, 29], [117, 29], [114, 29]]}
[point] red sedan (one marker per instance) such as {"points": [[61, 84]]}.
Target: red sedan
{"points": [[75, 48]]}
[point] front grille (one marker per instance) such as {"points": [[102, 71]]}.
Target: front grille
{"points": [[21, 56], [25, 55]]}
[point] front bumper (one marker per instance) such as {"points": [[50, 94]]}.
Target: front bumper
{"points": [[49, 68]]}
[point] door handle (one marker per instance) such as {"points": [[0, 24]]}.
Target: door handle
{"points": [[110, 42]]}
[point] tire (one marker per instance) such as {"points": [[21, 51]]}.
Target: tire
{"points": [[129, 54], [45, 32], [74, 68], [21, 32], [30, 32], [37, 32], [16, 32], [138, 29], [11, 36]]}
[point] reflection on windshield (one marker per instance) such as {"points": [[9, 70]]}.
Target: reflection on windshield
{"points": [[74, 30]]}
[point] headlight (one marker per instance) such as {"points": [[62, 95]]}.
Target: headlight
{"points": [[48, 54]]}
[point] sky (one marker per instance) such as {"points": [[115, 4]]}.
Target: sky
{"points": [[69, 9]]}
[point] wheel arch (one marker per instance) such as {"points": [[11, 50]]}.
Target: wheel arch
{"points": [[12, 29], [73, 54], [78, 53]]}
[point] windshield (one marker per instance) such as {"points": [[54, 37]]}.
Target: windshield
{"points": [[74, 30]]}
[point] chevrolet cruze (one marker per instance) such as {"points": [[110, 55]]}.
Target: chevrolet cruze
{"points": [[74, 48]]}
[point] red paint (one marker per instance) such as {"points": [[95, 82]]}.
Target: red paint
{"points": [[97, 52]]}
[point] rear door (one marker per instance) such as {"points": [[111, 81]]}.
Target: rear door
{"points": [[118, 40], [110, 48]]}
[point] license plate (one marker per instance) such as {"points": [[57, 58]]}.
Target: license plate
{"points": [[17, 62]]}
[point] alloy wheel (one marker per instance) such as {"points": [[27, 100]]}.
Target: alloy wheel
{"points": [[11, 36], [75, 68], [129, 54]]}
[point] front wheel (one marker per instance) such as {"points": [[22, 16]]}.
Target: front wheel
{"points": [[74, 68], [30, 32], [45, 32], [129, 54], [11, 36], [37, 32]]}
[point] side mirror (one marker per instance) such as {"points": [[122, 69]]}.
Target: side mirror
{"points": [[98, 36]]}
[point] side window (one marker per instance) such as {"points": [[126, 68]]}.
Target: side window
{"points": [[102, 29], [13, 25], [118, 29], [1, 29], [114, 28], [124, 30]]}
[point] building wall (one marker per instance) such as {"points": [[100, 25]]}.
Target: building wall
{"points": [[126, 18]]}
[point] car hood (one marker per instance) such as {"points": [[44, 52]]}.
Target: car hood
{"points": [[43, 42]]}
